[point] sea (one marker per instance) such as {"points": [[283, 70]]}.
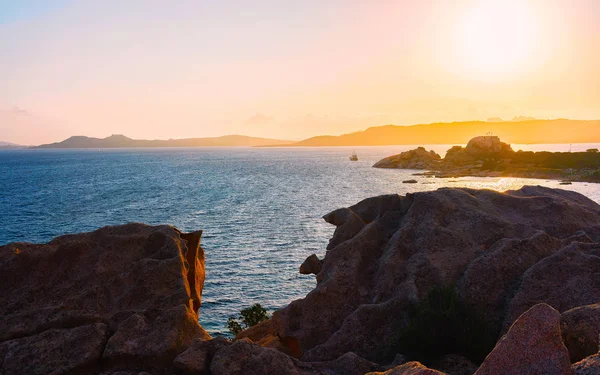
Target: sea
{"points": [[260, 208]]}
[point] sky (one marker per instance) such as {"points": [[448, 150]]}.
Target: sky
{"points": [[154, 69]]}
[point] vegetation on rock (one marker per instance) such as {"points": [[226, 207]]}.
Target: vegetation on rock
{"points": [[442, 324], [249, 317]]}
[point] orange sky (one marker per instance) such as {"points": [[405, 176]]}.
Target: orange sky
{"points": [[156, 69]]}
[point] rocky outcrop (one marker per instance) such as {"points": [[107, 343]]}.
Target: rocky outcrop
{"points": [[124, 300], [588, 366], [485, 145], [487, 156], [478, 152], [418, 158], [312, 265], [532, 346], [499, 251], [120, 298]]}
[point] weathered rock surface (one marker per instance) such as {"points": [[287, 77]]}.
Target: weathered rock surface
{"points": [[499, 251], [123, 297], [580, 328], [453, 364], [197, 358], [410, 368], [532, 346], [312, 265], [418, 158], [568, 278], [55, 351], [588, 366], [347, 364], [244, 357]]}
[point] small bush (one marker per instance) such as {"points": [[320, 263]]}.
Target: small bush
{"points": [[490, 163], [249, 317], [441, 324]]}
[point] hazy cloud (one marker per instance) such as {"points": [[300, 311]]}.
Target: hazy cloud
{"points": [[15, 111]]}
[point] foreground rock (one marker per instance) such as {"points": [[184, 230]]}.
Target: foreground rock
{"points": [[487, 156], [453, 364], [312, 265], [247, 358], [197, 358], [568, 278], [410, 368], [532, 346], [55, 351], [243, 357], [435, 278], [501, 253], [123, 297], [580, 329], [588, 366]]}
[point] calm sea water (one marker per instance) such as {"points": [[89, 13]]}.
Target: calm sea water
{"points": [[260, 209]]}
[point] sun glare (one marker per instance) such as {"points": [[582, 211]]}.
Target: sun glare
{"points": [[496, 38]]}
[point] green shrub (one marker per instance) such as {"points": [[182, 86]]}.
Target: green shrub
{"points": [[441, 324], [249, 317], [489, 163]]}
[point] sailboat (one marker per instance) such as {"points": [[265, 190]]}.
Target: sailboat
{"points": [[353, 157]]}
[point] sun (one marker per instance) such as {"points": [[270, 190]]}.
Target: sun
{"points": [[496, 38]]}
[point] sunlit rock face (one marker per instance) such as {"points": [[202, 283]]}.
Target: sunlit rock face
{"points": [[487, 156], [486, 144], [123, 297], [476, 151], [418, 158], [500, 252]]}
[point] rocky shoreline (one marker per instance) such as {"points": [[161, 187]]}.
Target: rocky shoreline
{"points": [[487, 156], [452, 281]]}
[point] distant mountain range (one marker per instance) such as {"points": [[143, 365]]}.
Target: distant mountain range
{"points": [[521, 130], [121, 141], [527, 131], [8, 145]]}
